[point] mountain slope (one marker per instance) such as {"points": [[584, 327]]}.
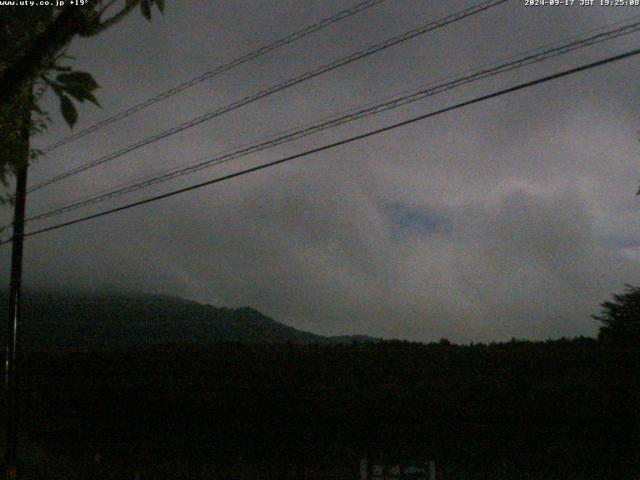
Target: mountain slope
{"points": [[110, 321]]}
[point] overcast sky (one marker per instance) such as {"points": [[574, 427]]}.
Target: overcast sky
{"points": [[514, 217]]}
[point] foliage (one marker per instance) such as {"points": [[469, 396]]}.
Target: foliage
{"points": [[621, 318], [22, 30], [555, 410]]}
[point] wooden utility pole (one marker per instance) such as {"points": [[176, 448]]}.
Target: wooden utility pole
{"points": [[15, 304]]}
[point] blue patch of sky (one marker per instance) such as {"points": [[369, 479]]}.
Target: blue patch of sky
{"points": [[621, 242], [410, 221]]}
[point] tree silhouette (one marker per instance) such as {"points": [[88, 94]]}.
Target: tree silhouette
{"points": [[621, 318], [33, 42]]}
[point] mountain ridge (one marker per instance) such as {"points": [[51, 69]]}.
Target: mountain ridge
{"points": [[88, 321]]}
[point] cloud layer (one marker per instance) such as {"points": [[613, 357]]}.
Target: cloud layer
{"points": [[512, 218]]}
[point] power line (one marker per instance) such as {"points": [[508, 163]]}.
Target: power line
{"points": [[132, 185], [298, 35], [346, 141], [540, 54], [581, 37], [455, 17]]}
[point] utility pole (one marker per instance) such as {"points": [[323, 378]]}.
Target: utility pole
{"points": [[15, 304]]}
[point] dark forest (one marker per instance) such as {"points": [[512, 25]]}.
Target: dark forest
{"points": [[556, 409]]}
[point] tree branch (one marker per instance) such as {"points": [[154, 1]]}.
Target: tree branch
{"points": [[106, 7], [130, 5], [67, 24]]}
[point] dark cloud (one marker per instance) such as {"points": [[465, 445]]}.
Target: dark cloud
{"points": [[514, 217]]}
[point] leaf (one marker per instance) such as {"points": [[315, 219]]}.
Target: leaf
{"points": [[68, 110], [78, 79], [80, 94], [160, 5], [93, 99], [145, 8], [77, 84], [76, 92]]}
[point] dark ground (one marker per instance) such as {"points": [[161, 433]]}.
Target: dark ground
{"points": [[553, 410]]}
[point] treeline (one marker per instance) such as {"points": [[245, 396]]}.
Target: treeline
{"points": [[557, 409]]}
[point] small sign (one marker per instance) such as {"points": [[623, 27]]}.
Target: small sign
{"points": [[378, 472], [409, 471], [416, 472], [395, 472]]}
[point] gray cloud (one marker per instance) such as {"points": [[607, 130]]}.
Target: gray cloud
{"points": [[534, 221]]}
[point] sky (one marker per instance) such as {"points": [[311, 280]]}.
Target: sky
{"points": [[513, 217]]}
